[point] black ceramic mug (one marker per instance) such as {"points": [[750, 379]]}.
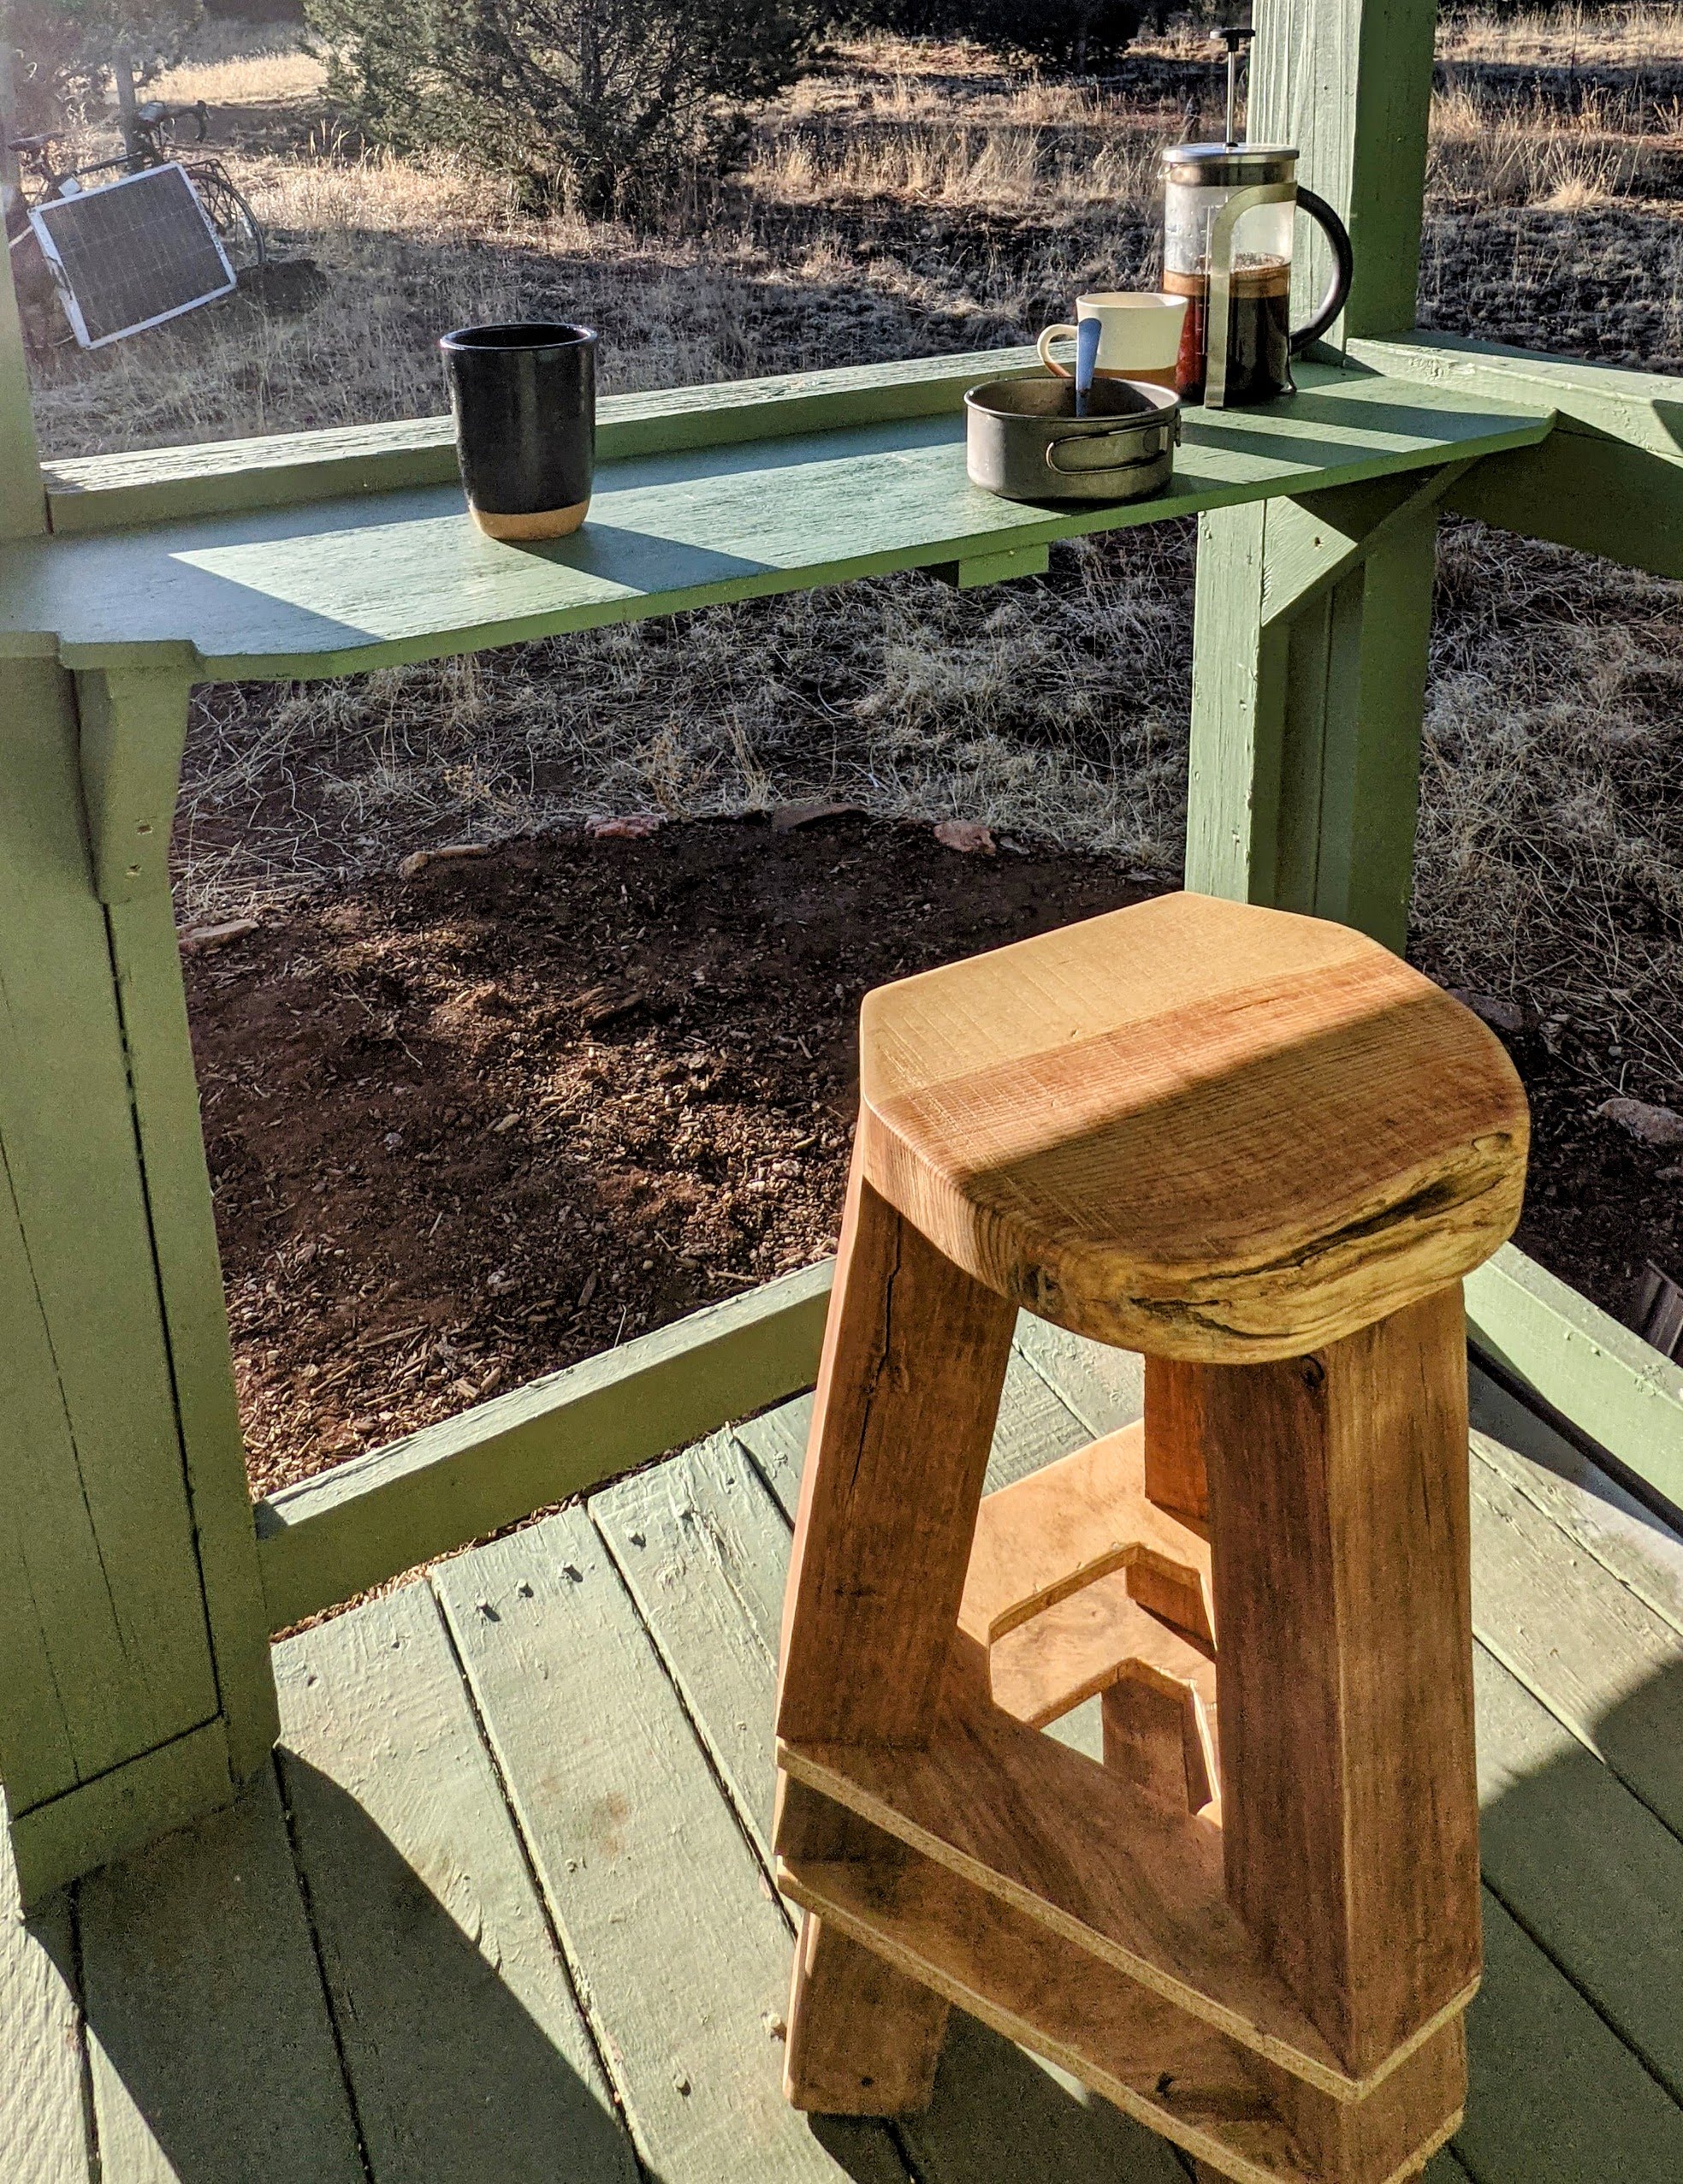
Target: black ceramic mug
{"points": [[523, 397]]}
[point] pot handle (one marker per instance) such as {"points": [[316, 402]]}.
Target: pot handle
{"points": [[1344, 269], [1168, 436]]}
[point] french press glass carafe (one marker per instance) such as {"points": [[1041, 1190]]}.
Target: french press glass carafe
{"points": [[1228, 218]]}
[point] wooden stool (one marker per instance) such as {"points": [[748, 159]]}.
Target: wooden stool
{"points": [[1261, 1149]]}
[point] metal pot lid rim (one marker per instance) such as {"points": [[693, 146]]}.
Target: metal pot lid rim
{"points": [[1212, 155]]}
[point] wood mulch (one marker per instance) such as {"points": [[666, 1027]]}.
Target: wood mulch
{"points": [[471, 1126]]}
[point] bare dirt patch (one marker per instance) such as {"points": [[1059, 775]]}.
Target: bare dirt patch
{"points": [[471, 1127]]}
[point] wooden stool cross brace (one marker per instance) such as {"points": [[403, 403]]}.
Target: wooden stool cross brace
{"points": [[1261, 1149]]}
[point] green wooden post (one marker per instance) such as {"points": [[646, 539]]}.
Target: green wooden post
{"points": [[1313, 616], [23, 501], [134, 1682]]}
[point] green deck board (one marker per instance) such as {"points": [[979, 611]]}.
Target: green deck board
{"points": [[1555, 2096], [359, 582], [1627, 1540], [42, 2129], [467, 2056], [704, 1548], [213, 2059], [665, 1910], [1592, 1876], [1035, 1425], [1600, 1659]]}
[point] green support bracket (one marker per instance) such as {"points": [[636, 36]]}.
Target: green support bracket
{"points": [[992, 569]]}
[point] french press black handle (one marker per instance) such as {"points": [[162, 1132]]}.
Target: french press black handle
{"points": [[1343, 268]]}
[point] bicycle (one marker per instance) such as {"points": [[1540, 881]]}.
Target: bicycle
{"points": [[151, 143]]}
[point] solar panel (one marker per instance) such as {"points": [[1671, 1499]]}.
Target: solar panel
{"points": [[132, 253]]}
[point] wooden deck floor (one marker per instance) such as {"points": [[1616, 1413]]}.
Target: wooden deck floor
{"points": [[501, 1912]]}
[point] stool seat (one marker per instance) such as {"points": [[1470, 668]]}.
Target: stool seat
{"points": [[1195, 1128]]}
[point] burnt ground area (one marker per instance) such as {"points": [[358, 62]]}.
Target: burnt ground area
{"points": [[471, 1126]]}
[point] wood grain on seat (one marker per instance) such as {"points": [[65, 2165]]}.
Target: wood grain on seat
{"points": [[1196, 1128]]}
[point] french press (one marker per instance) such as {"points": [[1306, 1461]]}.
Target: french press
{"points": [[1227, 241]]}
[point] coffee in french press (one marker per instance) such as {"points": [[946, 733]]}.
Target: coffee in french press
{"points": [[1227, 219]]}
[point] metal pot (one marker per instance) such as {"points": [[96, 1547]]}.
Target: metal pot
{"points": [[1024, 441]]}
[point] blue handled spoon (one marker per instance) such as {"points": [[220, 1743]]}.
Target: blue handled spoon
{"points": [[1086, 358]]}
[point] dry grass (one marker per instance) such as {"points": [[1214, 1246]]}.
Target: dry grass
{"points": [[1644, 34], [908, 200]]}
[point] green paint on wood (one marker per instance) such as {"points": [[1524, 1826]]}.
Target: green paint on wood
{"points": [[365, 582], [368, 1520], [1577, 1496], [992, 569], [1349, 83], [23, 504], [1605, 1380], [165, 1089], [120, 1811], [42, 2127], [1589, 1873], [91, 1492], [704, 1549], [213, 2057], [1609, 479], [467, 2057], [664, 1908], [158, 484], [133, 729], [1104, 1388], [1555, 2096], [1602, 1662], [1313, 619]]}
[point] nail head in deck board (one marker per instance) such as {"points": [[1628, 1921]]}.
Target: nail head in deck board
{"points": [[467, 2056], [703, 1549], [1603, 1662], [42, 2130], [212, 2054], [1594, 1877], [340, 586], [665, 1911], [1555, 2097], [101, 1503], [363, 1522]]}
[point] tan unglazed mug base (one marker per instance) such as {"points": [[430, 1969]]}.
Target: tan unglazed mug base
{"points": [[545, 523], [1165, 378]]}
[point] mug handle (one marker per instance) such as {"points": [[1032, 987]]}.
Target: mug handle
{"points": [[1055, 334], [1344, 269]]}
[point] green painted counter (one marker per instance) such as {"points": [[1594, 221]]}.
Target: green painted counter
{"points": [[371, 579]]}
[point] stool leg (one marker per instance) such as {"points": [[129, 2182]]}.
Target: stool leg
{"points": [[915, 1357], [1176, 1476], [1339, 1535], [864, 2039]]}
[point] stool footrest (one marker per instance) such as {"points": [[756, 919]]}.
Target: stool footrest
{"points": [[1165, 2068], [1120, 1875]]}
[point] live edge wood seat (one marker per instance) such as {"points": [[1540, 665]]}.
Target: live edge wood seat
{"points": [[1262, 1150]]}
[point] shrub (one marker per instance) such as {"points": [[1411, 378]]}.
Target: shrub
{"points": [[63, 51], [608, 103], [1080, 36]]}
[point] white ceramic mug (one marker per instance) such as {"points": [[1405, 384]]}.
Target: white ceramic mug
{"points": [[1139, 336]]}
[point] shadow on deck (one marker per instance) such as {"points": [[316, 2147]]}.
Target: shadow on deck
{"points": [[501, 1909]]}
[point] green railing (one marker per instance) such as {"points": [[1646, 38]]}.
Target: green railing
{"points": [[138, 1585]]}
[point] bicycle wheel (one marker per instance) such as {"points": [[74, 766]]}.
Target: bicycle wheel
{"points": [[233, 218]]}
